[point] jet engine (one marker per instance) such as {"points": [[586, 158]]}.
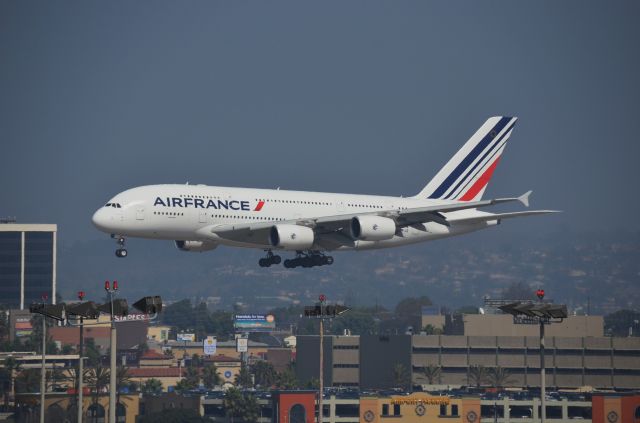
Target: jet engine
{"points": [[372, 228], [195, 246], [291, 237]]}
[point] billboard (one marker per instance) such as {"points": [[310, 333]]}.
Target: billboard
{"points": [[188, 337], [254, 322]]}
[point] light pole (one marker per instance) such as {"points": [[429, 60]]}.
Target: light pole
{"points": [[543, 390], [322, 311], [111, 290], [322, 299], [80, 363], [43, 375]]}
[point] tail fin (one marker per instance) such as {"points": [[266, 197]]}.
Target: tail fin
{"points": [[466, 175]]}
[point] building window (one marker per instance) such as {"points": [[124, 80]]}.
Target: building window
{"points": [[385, 409], [443, 410], [396, 409], [454, 409]]}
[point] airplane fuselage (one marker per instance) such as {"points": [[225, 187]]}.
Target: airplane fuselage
{"points": [[182, 212]]}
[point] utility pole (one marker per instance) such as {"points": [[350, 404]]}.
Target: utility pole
{"points": [[43, 375], [80, 363], [112, 354]]}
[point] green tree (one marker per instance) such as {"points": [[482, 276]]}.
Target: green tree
{"points": [[183, 386], [210, 376], [264, 372], [477, 374], [432, 373], [98, 380], [432, 330], [243, 406], [7, 378], [286, 380], [91, 351], [28, 381], [498, 377], [401, 376], [243, 378], [359, 322], [152, 386]]}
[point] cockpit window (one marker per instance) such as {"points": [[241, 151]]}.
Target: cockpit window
{"points": [[114, 205], [108, 205], [118, 205]]}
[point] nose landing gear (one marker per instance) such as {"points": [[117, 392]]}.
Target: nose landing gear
{"points": [[269, 260], [121, 252]]}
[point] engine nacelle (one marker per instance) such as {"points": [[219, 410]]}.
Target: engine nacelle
{"points": [[291, 237], [195, 246], [372, 228]]}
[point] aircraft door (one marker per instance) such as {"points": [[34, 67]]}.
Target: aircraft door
{"points": [[203, 217], [140, 213], [340, 206]]}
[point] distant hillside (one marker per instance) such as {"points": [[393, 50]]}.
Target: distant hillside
{"points": [[574, 269]]}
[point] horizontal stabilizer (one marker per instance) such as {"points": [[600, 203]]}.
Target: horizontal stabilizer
{"points": [[499, 216]]}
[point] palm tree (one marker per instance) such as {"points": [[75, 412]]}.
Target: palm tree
{"points": [[432, 373], [478, 374], [98, 380], [243, 378], [210, 376], [499, 376], [264, 373], [233, 403], [400, 376], [11, 366]]}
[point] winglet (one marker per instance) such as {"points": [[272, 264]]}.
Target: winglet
{"points": [[524, 198]]}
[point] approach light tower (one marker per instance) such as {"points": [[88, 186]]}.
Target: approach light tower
{"points": [[322, 311], [527, 312]]}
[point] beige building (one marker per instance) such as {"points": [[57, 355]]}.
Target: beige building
{"points": [[502, 324]]}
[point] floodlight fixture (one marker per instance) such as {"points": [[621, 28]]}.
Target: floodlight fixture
{"points": [[88, 310], [149, 305]]}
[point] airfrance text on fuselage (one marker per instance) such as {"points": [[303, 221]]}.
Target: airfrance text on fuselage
{"points": [[199, 203]]}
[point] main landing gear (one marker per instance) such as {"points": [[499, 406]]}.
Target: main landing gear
{"points": [[121, 252], [269, 259], [311, 259]]}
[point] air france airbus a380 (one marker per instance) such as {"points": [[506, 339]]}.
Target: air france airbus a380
{"points": [[200, 217]]}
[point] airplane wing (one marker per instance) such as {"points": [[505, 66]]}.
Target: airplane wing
{"points": [[334, 228]]}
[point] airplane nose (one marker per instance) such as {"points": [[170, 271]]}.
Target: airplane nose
{"points": [[100, 219]]}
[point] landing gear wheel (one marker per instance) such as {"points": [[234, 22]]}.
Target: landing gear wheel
{"points": [[329, 260], [121, 252], [276, 259], [288, 264]]}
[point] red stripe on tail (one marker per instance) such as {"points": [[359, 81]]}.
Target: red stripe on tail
{"points": [[481, 182]]}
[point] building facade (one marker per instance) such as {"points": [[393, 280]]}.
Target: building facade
{"points": [[27, 263], [400, 361]]}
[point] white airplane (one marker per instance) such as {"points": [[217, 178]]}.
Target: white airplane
{"points": [[201, 217]]}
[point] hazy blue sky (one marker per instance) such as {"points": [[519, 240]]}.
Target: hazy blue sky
{"points": [[365, 97]]}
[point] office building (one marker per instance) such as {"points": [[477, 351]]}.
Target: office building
{"points": [[27, 264]]}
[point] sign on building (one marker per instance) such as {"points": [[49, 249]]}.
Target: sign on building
{"points": [[209, 345], [242, 344]]}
